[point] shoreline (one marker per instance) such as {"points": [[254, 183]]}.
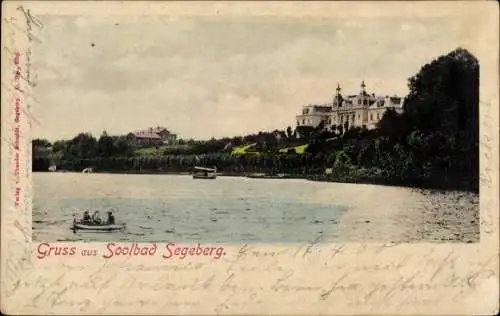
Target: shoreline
{"points": [[423, 185]]}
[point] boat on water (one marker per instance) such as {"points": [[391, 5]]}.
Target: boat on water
{"points": [[95, 223], [78, 225], [204, 173]]}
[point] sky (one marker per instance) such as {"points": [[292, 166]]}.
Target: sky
{"points": [[204, 77]]}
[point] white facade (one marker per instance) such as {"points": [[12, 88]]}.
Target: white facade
{"points": [[313, 114], [355, 110]]}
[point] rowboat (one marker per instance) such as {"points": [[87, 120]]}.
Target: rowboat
{"points": [[204, 173], [97, 227]]}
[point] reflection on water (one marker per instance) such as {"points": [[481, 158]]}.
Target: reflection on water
{"points": [[232, 210]]}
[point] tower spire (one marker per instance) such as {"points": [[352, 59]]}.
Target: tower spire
{"points": [[337, 100], [363, 87]]}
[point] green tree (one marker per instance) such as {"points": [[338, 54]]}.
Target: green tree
{"points": [[122, 146], [83, 145], [342, 161], [37, 142], [105, 146]]}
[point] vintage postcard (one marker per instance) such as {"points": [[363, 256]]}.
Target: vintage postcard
{"points": [[278, 158]]}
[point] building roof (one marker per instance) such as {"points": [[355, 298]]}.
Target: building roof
{"points": [[153, 130], [323, 109], [387, 102], [324, 105], [147, 135]]}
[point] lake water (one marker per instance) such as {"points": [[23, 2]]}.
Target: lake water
{"points": [[179, 209]]}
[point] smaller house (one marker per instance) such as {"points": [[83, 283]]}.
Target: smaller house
{"points": [[141, 139], [153, 136], [169, 138], [166, 136]]}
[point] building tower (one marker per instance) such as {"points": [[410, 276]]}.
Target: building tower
{"points": [[363, 88], [338, 96]]}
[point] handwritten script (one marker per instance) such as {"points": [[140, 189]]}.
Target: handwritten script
{"points": [[20, 29], [365, 277]]}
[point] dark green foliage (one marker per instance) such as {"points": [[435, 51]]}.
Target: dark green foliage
{"points": [[37, 142]]}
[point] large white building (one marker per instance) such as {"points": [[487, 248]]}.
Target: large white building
{"points": [[357, 110]]}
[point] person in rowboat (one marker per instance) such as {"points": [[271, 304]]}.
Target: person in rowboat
{"points": [[86, 217], [111, 218], [95, 218]]}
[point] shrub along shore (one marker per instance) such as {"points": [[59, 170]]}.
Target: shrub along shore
{"points": [[352, 174]]}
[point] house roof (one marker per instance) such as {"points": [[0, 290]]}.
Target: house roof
{"points": [[153, 130], [147, 135]]}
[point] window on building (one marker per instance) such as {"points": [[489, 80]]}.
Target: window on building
{"points": [[353, 117], [303, 122], [359, 101], [305, 111], [371, 117], [365, 102], [378, 116], [359, 116], [298, 123]]}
